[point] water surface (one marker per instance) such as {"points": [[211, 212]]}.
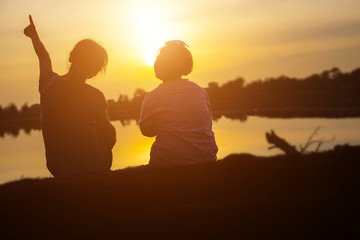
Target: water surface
{"points": [[24, 155]]}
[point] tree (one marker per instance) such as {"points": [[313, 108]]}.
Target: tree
{"points": [[25, 110], [11, 111], [139, 93]]}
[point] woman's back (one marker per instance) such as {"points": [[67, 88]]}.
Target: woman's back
{"points": [[69, 113], [77, 132]]}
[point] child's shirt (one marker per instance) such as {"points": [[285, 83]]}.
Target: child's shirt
{"points": [[178, 113]]}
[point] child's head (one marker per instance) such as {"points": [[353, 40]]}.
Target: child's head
{"points": [[173, 61], [88, 58]]}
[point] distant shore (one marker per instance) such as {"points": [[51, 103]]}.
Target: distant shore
{"points": [[13, 126], [316, 112], [325, 112]]}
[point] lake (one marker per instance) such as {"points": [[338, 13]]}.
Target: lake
{"points": [[24, 156]]}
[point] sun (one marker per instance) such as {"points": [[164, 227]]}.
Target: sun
{"points": [[152, 33], [150, 48]]}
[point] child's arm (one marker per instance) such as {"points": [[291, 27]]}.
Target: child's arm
{"points": [[43, 55], [208, 104]]}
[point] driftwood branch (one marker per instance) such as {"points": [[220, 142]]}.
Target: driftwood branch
{"points": [[283, 145], [280, 143]]}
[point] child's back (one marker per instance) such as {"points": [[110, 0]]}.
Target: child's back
{"points": [[178, 112]]}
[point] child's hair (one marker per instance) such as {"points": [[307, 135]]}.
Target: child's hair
{"points": [[89, 58], [173, 60]]}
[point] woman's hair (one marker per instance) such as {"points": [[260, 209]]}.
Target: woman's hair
{"points": [[173, 60], [89, 58]]}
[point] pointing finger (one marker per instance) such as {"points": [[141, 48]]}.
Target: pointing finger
{"points": [[31, 21]]}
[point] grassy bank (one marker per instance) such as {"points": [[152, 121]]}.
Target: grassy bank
{"points": [[315, 196]]}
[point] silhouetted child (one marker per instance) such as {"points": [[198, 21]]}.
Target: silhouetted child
{"points": [[77, 133], [177, 112]]}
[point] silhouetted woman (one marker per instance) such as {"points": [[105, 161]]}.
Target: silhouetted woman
{"points": [[77, 133], [177, 112]]}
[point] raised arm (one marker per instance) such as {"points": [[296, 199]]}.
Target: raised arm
{"points": [[43, 55]]}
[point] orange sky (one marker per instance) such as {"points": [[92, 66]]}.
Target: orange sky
{"points": [[229, 38]]}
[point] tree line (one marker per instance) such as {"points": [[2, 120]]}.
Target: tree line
{"points": [[330, 93], [11, 111]]}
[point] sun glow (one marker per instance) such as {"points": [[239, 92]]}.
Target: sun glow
{"points": [[152, 33], [150, 47]]}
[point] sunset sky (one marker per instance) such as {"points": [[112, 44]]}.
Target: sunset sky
{"points": [[229, 38]]}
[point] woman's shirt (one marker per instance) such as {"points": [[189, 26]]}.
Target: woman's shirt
{"points": [[68, 114], [179, 114]]}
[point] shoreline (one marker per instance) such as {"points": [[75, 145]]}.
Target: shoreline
{"points": [[326, 112]]}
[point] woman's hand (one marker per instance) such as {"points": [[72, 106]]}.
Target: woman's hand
{"points": [[30, 30], [40, 50]]}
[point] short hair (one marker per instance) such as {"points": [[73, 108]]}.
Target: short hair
{"points": [[173, 60], [89, 57]]}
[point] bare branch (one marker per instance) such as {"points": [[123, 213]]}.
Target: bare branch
{"points": [[319, 142]]}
